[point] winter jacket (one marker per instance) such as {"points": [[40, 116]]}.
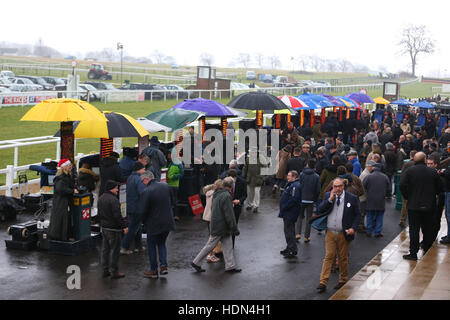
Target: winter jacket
{"points": [[209, 192], [223, 221], [109, 170], [239, 192], [310, 183], [391, 162], [109, 212], [135, 188], [60, 219], [420, 185], [351, 216], [157, 158], [356, 167], [87, 178], [156, 206], [322, 163], [282, 159], [252, 173], [295, 163], [326, 177], [377, 186], [371, 136], [291, 201], [174, 174], [126, 166]]}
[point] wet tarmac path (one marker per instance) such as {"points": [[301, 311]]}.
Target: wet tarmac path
{"points": [[265, 275]]}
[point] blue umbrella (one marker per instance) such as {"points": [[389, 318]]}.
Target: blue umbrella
{"points": [[211, 108], [402, 102], [423, 104], [319, 101]]}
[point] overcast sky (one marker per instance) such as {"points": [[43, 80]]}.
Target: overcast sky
{"points": [[361, 31]]}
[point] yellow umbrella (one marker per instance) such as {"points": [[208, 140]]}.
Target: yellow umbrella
{"points": [[118, 125], [63, 110], [381, 100]]}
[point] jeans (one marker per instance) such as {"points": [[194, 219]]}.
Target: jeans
{"points": [[374, 220], [447, 211], [308, 208], [174, 198], [154, 242], [134, 232]]}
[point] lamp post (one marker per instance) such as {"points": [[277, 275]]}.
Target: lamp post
{"points": [[120, 47]]}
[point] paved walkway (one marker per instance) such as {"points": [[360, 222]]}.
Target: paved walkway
{"points": [[389, 277], [266, 274]]}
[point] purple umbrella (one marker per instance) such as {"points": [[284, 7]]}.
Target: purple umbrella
{"points": [[360, 97], [334, 100], [211, 108]]}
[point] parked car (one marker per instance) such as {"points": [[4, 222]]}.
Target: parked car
{"points": [[6, 74], [30, 85], [5, 90], [4, 82], [237, 85], [101, 85], [54, 80], [321, 83], [146, 86], [94, 93], [280, 81], [40, 81], [305, 83], [250, 75], [266, 78], [174, 89]]}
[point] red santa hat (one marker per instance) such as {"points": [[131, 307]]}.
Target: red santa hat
{"points": [[63, 162]]}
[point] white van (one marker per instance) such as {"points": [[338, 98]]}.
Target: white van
{"points": [[250, 75]]}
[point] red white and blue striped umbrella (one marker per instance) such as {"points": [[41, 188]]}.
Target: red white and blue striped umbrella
{"points": [[293, 102]]}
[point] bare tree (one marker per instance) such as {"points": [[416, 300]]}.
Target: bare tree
{"points": [[259, 58], [274, 62], [244, 59], [207, 58], [331, 65], [169, 60], [344, 65], [303, 61], [415, 40], [316, 62], [158, 56]]}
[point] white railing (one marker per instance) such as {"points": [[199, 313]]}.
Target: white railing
{"points": [[11, 170]]}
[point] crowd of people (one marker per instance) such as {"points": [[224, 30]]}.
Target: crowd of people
{"points": [[338, 173]]}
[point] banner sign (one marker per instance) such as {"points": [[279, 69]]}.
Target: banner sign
{"points": [[18, 100]]}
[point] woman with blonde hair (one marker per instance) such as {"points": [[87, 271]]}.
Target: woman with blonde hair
{"points": [[60, 227], [209, 191]]}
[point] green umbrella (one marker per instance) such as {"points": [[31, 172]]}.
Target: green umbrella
{"points": [[175, 118]]}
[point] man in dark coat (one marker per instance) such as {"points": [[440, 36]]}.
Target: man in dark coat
{"points": [[157, 216], [110, 170], [420, 185], [135, 187], [113, 225], [342, 218], [310, 183], [290, 205], [297, 162], [377, 185], [238, 195], [157, 158]]}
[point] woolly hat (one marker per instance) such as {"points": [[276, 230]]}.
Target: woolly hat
{"points": [[154, 141], [63, 162], [138, 166], [110, 184]]}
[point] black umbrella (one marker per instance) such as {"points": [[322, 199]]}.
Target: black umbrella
{"points": [[259, 101]]}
